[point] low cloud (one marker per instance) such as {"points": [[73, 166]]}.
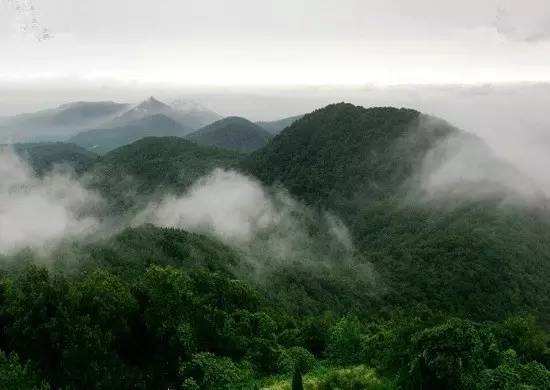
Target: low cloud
{"points": [[462, 165], [38, 212], [261, 223]]}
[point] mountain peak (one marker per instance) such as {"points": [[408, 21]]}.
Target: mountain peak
{"points": [[152, 103]]}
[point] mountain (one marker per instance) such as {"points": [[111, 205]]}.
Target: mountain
{"points": [[144, 109], [59, 123], [275, 127], [104, 140], [193, 114], [42, 157], [151, 165], [233, 133], [189, 114], [464, 247]]}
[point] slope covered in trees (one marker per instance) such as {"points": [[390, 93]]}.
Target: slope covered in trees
{"points": [[154, 165], [458, 277], [465, 255], [42, 157], [102, 141], [275, 127], [233, 133]]}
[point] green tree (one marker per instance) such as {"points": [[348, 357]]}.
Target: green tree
{"points": [[297, 383]]}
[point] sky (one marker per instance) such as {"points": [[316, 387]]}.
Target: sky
{"points": [[273, 43]]}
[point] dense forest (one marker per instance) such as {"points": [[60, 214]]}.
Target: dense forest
{"points": [[437, 289]]}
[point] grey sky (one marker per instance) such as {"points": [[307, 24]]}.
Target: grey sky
{"points": [[278, 42]]}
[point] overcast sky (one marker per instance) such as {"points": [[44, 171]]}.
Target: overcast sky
{"points": [[276, 42]]}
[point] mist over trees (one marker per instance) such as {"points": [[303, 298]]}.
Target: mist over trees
{"points": [[324, 260]]}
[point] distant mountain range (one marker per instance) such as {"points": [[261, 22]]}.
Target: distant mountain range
{"points": [[275, 127], [232, 133], [104, 140], [65, 121], [58, 123]]}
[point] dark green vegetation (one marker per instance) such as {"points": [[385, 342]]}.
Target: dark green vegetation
{"points": [[469, 257], [461, 300], [44, 156], [102, 141], [232, 133], [133, 173], [275, 127]]}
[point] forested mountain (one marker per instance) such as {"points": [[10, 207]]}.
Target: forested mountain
{"points": [[233, 133], [104, 140], [444, 283], [366, 164], [58, 123], [42, 157], [275, 127], [155, 164]]}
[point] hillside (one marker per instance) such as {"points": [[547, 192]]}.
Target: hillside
{"points": [[42, 157], [233, 133], [462, 253], [156, 164], [275, 127], [60, 122], [102, 141], [443, 292]]}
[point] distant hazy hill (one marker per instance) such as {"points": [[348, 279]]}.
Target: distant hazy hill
{"points": [[155, 164], [104, 140], [233, 133], [275, 127], [58, 123], [190, 116], [43, 156], [193, 114], [464, 254]]}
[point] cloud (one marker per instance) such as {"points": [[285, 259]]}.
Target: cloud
{"points": [[263, 224], [40, 212], [463, 166], [527, 21]]}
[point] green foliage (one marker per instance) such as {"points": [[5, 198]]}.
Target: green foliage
{"points": [[297, 382], [17, 376], [232, 133], [296, 358], [132, 173], [475, 258], [42, 157], [344, 342], [163, 308], [211, 372], [360, 378], [511, 374]]}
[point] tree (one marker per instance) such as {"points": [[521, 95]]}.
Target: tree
{"points": [[297, 383]]}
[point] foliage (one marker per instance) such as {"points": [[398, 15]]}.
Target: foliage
{"points": [[232, 133], [211, 372], [17, 376], [43, 157], [481, 258], [131, 174]]}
